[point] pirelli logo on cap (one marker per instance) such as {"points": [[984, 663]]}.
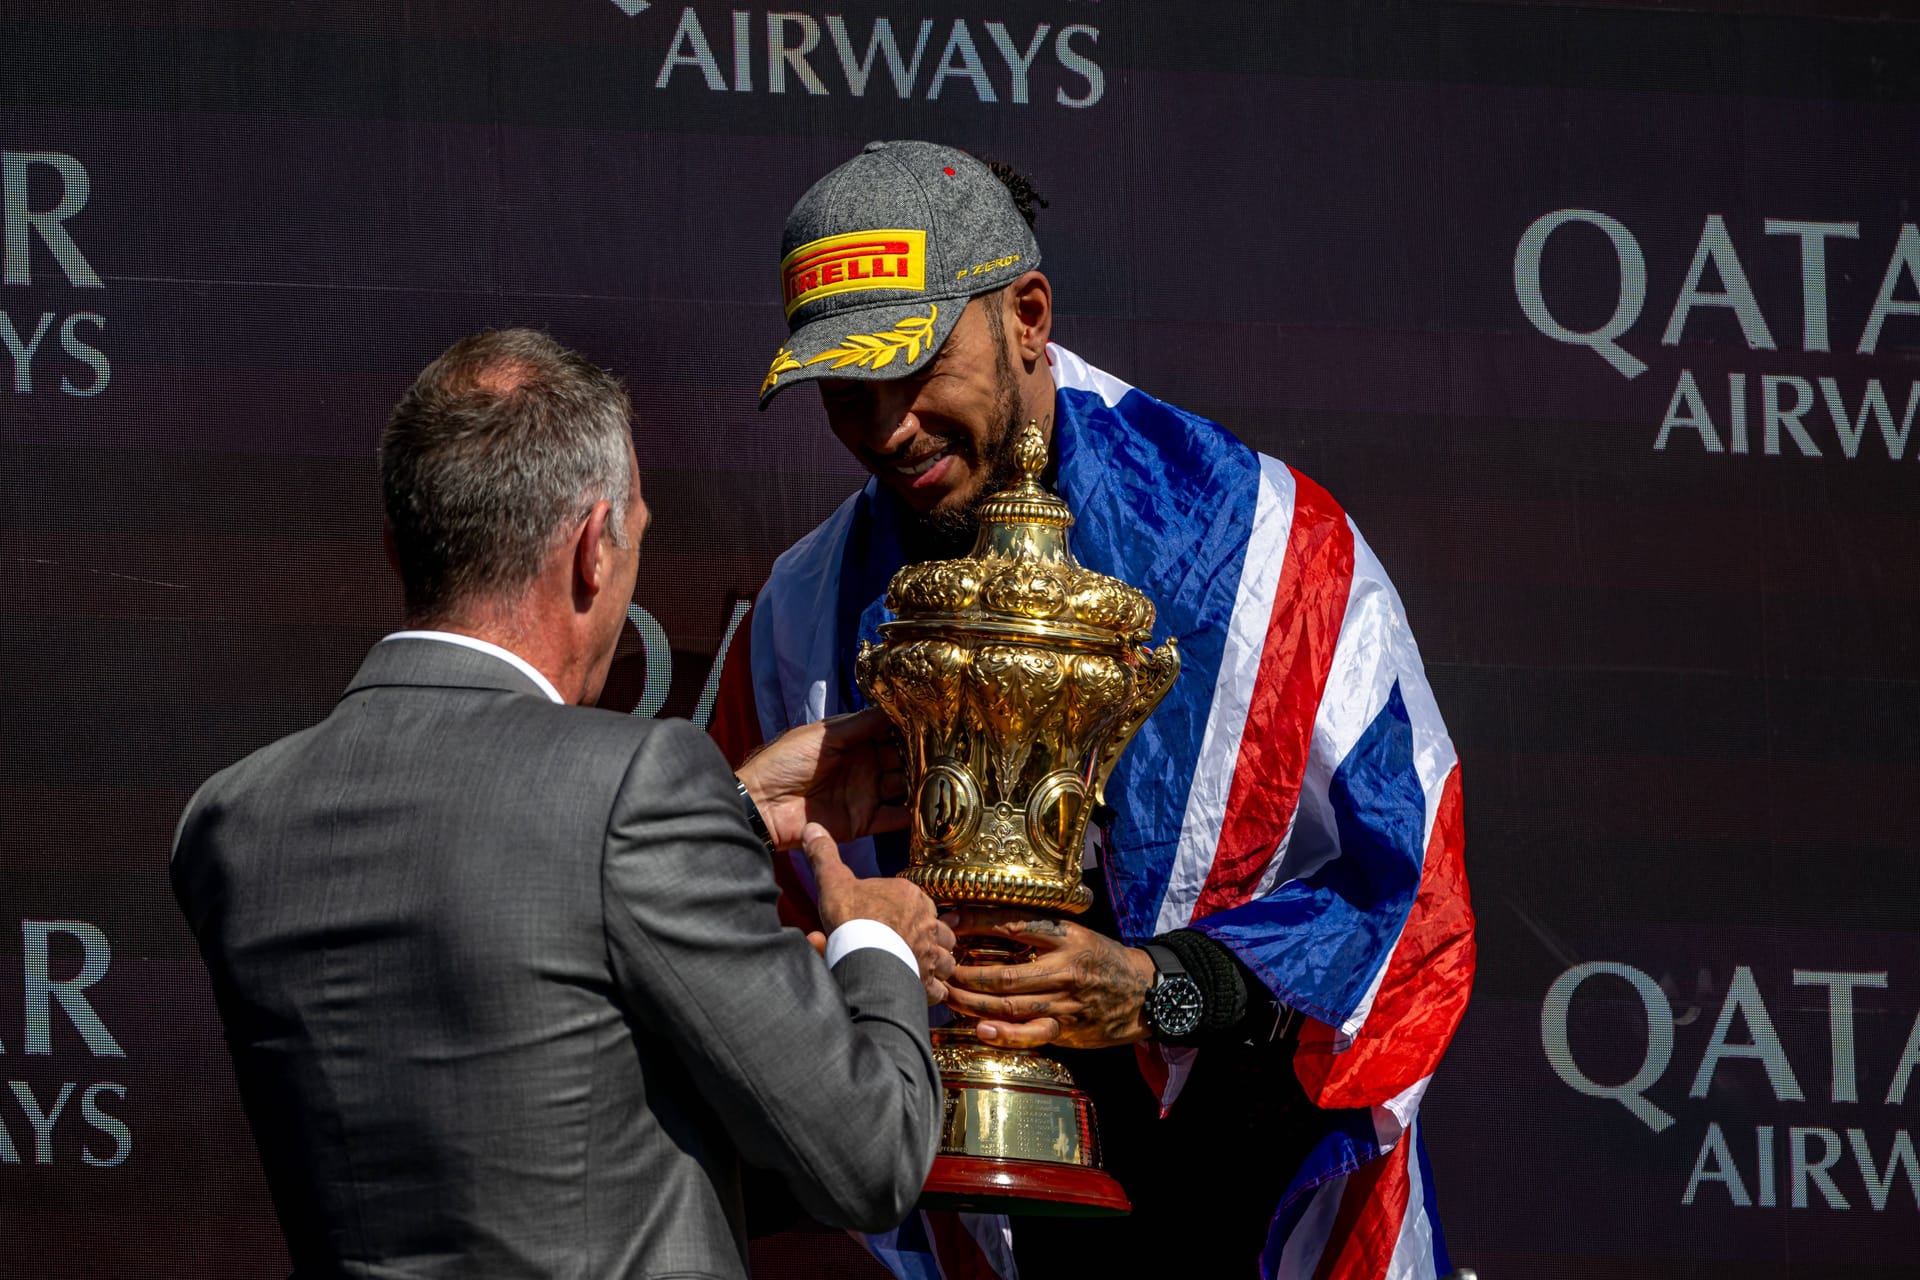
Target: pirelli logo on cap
{"points": [[854, 261]]}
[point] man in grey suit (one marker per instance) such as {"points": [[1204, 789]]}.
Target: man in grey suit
{"points": [[502, 979]]}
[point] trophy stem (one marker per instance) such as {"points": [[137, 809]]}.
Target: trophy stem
{"points": [[1016, 1136]]}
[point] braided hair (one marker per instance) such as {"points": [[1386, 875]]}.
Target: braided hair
{"points": [[1026, 197]]}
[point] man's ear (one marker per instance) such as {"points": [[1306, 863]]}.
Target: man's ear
{"points": [[1030, 299], [590, 570]]}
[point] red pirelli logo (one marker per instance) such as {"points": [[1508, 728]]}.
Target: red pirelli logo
{"points": [[854, 261]]}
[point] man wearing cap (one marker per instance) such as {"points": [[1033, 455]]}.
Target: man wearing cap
{"points": [[1281, 943]]}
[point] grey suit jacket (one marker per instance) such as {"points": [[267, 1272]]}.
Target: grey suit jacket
{"points": [[507, 995]]}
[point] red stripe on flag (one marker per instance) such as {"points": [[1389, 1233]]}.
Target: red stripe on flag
{"points": [[736, 729], [1424, 994], [1367, 1228], [736, 719], [1309, 604]]}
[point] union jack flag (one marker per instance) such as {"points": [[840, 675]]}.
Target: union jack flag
{"points": [[1295, 796]]}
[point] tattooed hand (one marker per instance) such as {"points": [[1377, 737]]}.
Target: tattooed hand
{"points": [[1081, 989]]}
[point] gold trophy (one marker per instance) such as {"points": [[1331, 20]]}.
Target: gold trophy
{"points": [[1017, 679]]}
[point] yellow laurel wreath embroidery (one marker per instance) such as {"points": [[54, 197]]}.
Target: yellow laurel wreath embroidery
{"points": [[782, 361], [877, 350]]}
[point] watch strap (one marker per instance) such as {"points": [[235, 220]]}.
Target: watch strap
{"points": [[1165, 959], [754, 820]]}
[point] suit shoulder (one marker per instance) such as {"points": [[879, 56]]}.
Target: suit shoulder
{"points": [[260, 762], [242, 786], [613, 738], [592, 728]]}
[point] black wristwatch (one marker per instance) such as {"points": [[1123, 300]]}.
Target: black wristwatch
{"points": [[1173, 1006], [754, 819]]}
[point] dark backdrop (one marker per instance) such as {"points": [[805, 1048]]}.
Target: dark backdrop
{"points": [[1671, 618]]}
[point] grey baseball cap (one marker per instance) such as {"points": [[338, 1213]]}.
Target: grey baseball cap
{"points": [[880, 256]]}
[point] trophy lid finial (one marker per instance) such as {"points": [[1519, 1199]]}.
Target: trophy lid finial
{"points": [[1021, 573], [1011, 516], [1030, 451]]}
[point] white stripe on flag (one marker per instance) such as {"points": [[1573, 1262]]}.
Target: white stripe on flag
{"points": [[793, 633], [1394, 1117], [1072, 373], [1413, 1251], [994, 1234], [1301, 1256], [1178, 1061], [1232, 695]]}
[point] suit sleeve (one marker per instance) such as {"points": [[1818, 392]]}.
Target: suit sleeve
{"points": [[825, 1078], [736, 730]]}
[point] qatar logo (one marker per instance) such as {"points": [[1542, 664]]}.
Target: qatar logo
{"points": [[1751, 1165], [1754, 411]]}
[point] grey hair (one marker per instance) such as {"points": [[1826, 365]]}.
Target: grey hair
{"points": [[499, 448]]}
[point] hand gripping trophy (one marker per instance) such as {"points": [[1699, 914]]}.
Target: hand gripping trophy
{"points": [[1017, 678]]}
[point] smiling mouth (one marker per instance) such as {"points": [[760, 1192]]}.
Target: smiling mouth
{"points": [[921, 465]]}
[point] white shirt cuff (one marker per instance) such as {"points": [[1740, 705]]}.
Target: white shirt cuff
{"points": [[856, 934]]}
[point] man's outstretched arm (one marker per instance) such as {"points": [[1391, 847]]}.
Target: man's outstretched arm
{"points": [[825, 1077]]}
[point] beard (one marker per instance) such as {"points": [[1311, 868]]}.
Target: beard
{"points": [[946, 533]]}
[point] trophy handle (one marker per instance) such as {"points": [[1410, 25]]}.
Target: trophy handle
{"points": [[1156, 675]]}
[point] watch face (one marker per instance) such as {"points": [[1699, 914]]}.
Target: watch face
{"points": [[1177, 1005]]}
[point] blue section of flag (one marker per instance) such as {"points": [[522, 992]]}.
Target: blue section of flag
{"points": [[1319, 939], [1442, 1263], [868, 560], [907, 1250], [1347, 1142], [1285, 1222], [1163, 500]]}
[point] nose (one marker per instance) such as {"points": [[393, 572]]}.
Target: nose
{"points": [[891, 423]]}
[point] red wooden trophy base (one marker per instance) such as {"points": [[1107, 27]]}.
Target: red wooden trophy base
{"points": [[1028, 1188]]}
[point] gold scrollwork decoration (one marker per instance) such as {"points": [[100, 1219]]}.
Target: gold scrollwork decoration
{"points": [[975, 1061], [941, 586], [950, 882], [1015, 676]]}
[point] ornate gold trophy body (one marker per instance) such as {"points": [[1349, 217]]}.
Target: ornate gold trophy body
{"points": [[1017, 678]]}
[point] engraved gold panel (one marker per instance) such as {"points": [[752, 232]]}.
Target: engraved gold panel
{"points": [[1014, 1124]]}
